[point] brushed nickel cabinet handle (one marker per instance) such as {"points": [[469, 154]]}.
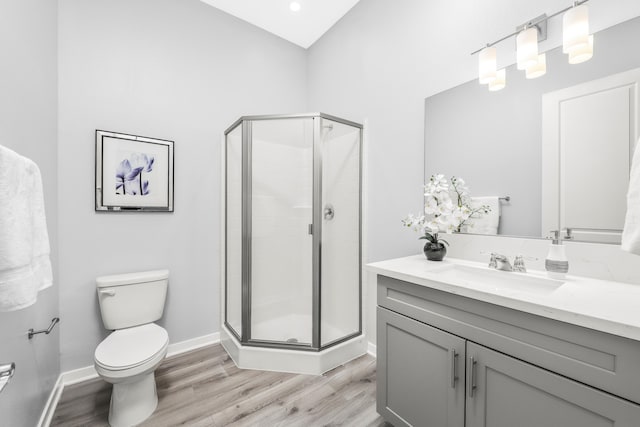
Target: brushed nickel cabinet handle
{"points": [[454, 367], [472, 375]]}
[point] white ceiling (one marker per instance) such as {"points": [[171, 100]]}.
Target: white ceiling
{"points": [[303, 28]]}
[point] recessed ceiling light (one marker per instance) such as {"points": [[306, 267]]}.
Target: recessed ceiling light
{"points": [[294, 6]]}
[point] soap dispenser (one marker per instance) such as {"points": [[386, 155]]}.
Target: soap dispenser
{"points": [[556, 264]]}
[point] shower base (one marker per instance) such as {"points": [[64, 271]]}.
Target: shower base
{"points": [[292, 361]]}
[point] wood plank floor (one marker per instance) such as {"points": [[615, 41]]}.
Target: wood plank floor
{"points": [[205, 388]]}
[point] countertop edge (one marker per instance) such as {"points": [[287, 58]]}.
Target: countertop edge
{"points": [[538, 308]]}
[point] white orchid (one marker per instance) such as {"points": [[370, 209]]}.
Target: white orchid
{"points": [[447, 208]]}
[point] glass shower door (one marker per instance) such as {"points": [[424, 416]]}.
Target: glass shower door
{"points": [[340, 248], [281, 243]]}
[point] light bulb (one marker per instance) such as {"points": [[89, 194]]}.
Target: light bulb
{"points": [[499, 82], [527, 48], [487, 65]]}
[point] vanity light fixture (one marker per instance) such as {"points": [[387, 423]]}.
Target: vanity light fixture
{"points": [[576, 42]]}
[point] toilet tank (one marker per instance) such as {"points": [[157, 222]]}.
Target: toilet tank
{"points": [[133, 299]]}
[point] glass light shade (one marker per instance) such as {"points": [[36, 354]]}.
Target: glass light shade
{"points": [[539, 68], [487, 65], [582, 53], [527, 48], [575, 28], [499, 82]]}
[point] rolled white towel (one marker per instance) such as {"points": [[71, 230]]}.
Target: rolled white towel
{"points": [[25, 266], [488, 223]]}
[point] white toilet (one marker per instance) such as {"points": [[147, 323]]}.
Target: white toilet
{"points": [[129, 356]]}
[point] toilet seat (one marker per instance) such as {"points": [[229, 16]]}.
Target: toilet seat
{"points": [[129, 348]]}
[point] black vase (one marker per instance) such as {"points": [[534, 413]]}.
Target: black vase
{"points": [[434, 251]]}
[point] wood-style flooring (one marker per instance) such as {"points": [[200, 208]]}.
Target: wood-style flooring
{"points": [[205, 388]]}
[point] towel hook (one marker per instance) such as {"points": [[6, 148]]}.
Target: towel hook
{"points": [[47, 331]]}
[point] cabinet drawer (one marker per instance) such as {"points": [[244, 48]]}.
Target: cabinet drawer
{"points": [[604, 361]]}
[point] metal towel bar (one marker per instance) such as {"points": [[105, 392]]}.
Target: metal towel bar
{"points": [[6, 372], [54, 322]]}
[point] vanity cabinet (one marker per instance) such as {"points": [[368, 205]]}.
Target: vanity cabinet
{"points": [[420, 373], [448, 360], [506, 392]]}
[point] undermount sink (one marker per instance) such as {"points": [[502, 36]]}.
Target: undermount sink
{"points": [[496, 280]]}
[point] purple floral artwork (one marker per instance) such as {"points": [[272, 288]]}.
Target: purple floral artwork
{"points": [[130, 174]]}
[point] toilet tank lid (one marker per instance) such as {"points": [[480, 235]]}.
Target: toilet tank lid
{"points": [[131, 278]]}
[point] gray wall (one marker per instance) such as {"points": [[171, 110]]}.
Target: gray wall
{"points": [[382, 60], [496, 136], [171, 69], [28, 122]]}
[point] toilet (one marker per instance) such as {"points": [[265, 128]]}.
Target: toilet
{"points": [[129, 356]]}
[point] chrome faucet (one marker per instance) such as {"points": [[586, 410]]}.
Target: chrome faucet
{"points": [[500, 262]]}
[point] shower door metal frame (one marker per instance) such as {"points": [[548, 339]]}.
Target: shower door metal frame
{"points": [[316, 230]]}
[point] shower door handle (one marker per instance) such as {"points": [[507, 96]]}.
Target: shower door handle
{"points": [[329, 212]]}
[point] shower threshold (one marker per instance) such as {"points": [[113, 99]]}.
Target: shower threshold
{"points": [[292, 361]]}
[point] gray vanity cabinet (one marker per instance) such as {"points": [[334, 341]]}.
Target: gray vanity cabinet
{"points": [[446, 360], [508, 392], [420, 373]]}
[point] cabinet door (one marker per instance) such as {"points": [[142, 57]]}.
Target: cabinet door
{"points": [[506, 392], [420, 373]]}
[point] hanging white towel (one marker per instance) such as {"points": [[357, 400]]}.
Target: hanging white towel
{"points": [[488, 223], [631, 231], [25, 267]]}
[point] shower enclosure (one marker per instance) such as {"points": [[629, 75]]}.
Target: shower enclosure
{"points": [[293, 241]]}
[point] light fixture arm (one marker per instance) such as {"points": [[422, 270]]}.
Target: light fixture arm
{"points": [[533, 23]]}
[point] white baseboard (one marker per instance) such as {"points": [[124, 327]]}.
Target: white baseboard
{"points": [[372, 349], [52, 403], [89, 372], [193, 344], [78, 375]]}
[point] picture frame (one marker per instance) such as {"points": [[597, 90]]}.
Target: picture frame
{"points": [[133, 173]]}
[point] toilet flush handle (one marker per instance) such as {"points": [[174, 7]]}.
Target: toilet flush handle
{"points": [[108, 292]]}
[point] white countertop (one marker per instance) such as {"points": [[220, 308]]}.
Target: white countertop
{"points": [[606, 306]]}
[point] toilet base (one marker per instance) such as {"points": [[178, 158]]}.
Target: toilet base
{"points": [[133, 402]]}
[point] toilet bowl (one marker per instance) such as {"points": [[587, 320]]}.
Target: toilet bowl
{"points": [[129, 356], [127, 359]]}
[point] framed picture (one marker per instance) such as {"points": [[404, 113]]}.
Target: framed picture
{"points": [[133, 173]]}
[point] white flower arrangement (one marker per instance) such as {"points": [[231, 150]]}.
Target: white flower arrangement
{"points": [[447, 208]]}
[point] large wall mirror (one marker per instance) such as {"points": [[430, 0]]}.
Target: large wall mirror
{"points": [[558, 146]]}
